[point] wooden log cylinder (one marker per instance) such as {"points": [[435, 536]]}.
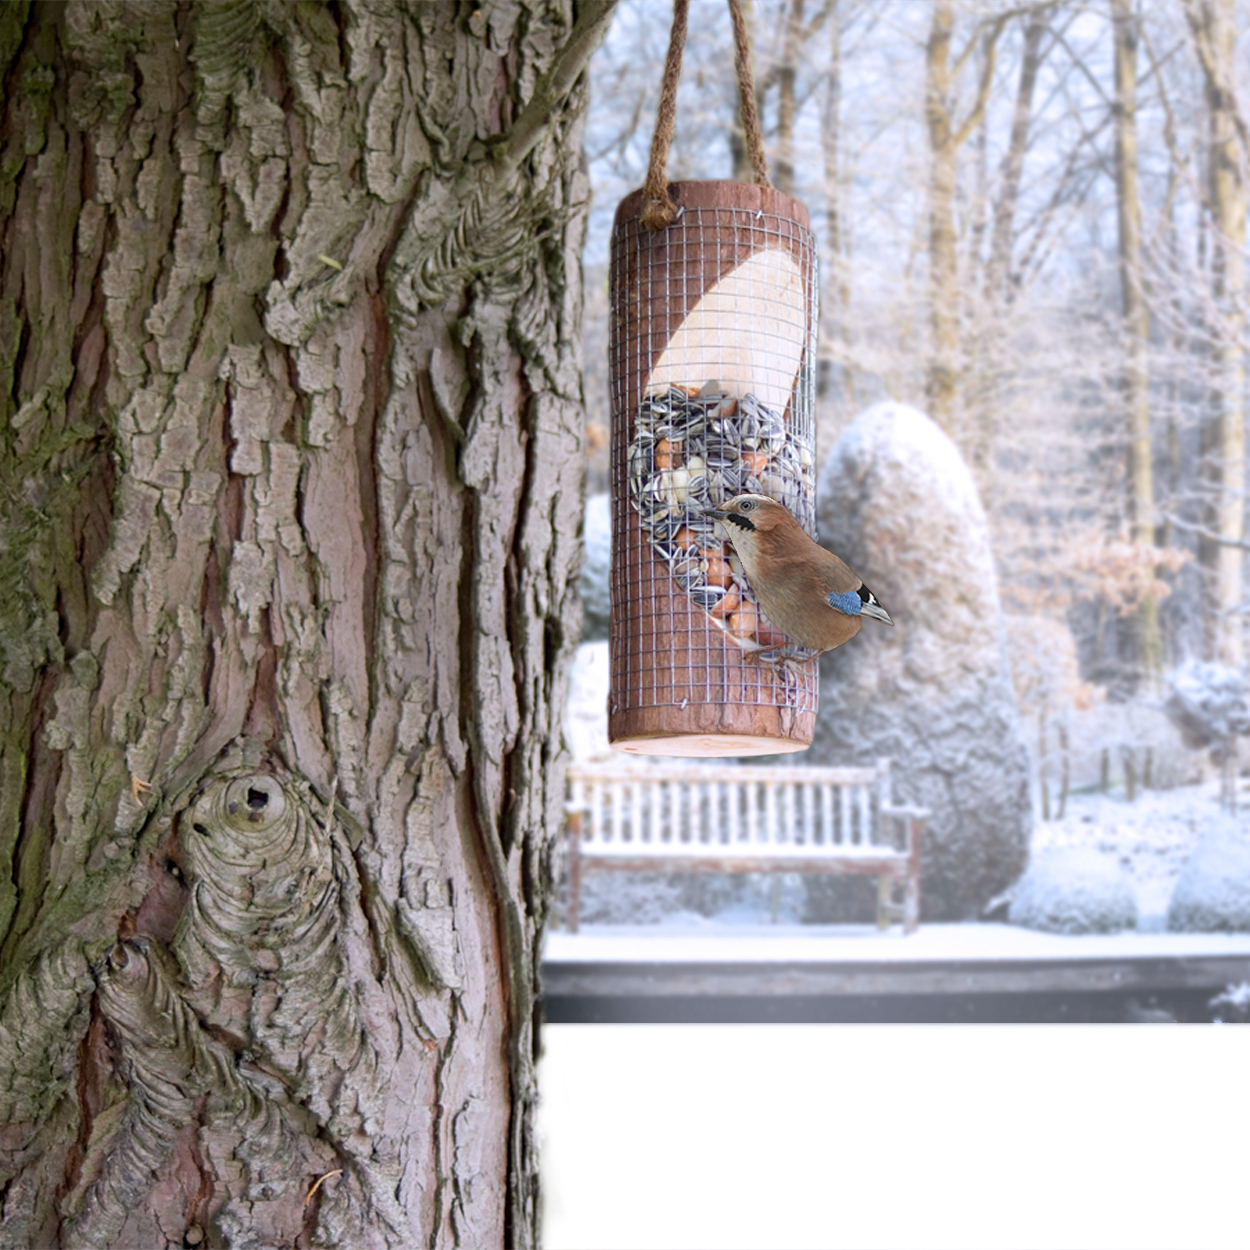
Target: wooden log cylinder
{"points": [[712, 360]]}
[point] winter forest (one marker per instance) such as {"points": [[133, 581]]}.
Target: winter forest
{"points": [[292, 458], [1032, 225]]}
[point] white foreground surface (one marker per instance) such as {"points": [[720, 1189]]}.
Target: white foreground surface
{"points": [[938, 943], [783, 1137]]}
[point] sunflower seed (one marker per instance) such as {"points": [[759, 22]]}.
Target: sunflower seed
{"points": [[693, 450]]}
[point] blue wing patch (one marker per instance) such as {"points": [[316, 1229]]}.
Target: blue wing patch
{"points": [[849, 604]]}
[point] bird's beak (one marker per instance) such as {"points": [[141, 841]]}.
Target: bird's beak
{"points": [[717, 514], [876, 611]]}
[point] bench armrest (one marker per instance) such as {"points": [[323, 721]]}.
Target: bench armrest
{"points": [[913, 819], [911, 813]]}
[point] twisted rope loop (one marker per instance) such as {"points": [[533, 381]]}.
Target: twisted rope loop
{"points": [[658, 209]]}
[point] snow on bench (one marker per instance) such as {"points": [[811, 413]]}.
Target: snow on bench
{"points": [[701, 818]]}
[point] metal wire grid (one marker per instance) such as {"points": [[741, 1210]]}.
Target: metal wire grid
{"points": [[665, 650]]}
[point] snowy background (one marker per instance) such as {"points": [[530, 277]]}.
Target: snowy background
{"points": [[1120, 860]]}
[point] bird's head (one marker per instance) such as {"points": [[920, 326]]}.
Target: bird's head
{"points": [[747, 516]]}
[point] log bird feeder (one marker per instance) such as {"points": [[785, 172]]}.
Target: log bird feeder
{"points": [[712, 353]]}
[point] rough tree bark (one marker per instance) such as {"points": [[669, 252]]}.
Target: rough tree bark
{"points": [[1135, 382], [289, 473]]}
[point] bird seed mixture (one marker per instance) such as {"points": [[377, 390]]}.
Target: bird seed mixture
{"points": [[694, 450]]}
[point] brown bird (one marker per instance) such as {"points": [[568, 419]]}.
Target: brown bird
{"points": [[815, 599]]}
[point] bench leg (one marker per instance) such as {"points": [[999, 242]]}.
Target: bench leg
{"points": [[911, 888], [575, 870], [911, 904], [885, 891]]}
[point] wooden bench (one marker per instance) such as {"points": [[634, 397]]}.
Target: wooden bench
{"points": [[630, 817]]}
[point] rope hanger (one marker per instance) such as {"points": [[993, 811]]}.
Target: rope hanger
{"points": [[659, 210]]}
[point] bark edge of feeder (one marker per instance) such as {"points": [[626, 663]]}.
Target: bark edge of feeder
{"points": [[712, 731], [718, 193]]}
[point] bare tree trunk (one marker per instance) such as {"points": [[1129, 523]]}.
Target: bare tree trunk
{"points": [[1002, 235], [946, 137], [1213, 25], [998, 282], [290, 478], [943, 370], [787, 83], [837, 295], [1136, 377]]}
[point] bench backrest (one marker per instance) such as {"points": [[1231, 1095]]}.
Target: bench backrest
{"points": [[628, 809]]}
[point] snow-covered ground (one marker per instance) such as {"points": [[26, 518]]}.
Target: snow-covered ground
{"points": [[886, 1135], [1149, 841], [716, 942], [1151, 838]]}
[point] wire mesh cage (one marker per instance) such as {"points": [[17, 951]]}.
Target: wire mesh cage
{"points": [[712, 361]]}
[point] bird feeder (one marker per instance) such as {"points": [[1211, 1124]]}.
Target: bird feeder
{"points": [[712, 357]]}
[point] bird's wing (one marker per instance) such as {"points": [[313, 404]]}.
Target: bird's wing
{"points": [[836, 577], [802, 565], [794, 579], [846, 601]]}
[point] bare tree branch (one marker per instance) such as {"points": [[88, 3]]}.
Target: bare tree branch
{"points": [[588, 32], [1203, 532]]}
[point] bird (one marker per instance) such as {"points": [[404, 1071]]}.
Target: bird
{"points": [[814, 598]]}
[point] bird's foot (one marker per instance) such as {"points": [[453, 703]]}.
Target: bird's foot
{"points": [[791, 651]]}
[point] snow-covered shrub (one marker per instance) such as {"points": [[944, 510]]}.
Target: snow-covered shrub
{"points": [[934, 694], [1213, 892], [1209, 703], [1074, 890], [630, 897], [1233, 1004], [638, 898]]}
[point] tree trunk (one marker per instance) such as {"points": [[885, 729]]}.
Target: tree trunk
{"points": [[290, 478], [999, 281], [946, 137], [998, 277], [943, 371], [836, 296], [1136, 378], [787, 86], [1213, 25]]}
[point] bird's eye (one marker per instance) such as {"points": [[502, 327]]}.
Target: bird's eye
{"points": [[746, 505]]}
